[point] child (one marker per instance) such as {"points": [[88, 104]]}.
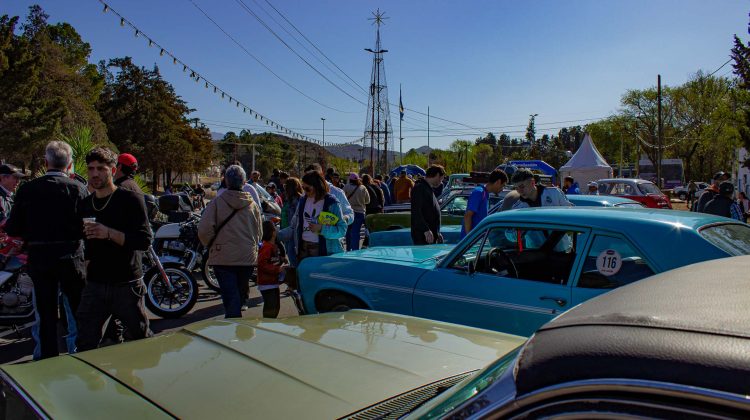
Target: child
{"points": [[269, 268]]}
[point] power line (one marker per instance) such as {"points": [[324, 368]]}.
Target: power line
{"points": [[262, 63], [248, 10], [350, 83], [198, 77], [314, 46]]}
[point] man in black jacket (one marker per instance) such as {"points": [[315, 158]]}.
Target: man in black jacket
{"points": [[425, 209], [46, 214], [115, 239]]}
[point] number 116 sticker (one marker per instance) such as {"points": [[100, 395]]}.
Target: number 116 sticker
{"points": [[609, 262]]}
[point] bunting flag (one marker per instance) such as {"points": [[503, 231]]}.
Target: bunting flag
{"points": [[193, 74]]}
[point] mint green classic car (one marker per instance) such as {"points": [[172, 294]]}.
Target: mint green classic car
{"points": [[359, 363]]}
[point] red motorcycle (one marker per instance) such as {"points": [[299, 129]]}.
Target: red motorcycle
{"points": [[16, 287]]}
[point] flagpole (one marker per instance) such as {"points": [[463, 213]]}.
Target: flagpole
{"points": [[401, 118]]}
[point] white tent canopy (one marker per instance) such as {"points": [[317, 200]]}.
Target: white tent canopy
{"points": [[586, 165]]}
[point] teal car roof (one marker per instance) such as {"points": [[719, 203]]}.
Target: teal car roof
{"points": [[609, 217]]}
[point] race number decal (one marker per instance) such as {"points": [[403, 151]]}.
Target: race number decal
{"points": [[609, 262]]}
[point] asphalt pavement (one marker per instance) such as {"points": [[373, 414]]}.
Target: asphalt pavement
{"points": [[16, 347]]}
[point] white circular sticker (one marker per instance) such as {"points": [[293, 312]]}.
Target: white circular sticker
{"points": [[609, 262]]}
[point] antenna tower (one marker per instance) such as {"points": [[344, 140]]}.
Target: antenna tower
{"points": [[378, 128]]}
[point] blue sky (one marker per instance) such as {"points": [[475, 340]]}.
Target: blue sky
{"points": [[486, 64]]}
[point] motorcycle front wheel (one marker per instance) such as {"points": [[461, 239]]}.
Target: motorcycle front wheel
{"points": [[209, 277], [166, 303]]}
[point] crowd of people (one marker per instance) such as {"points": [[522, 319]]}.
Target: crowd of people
{"points": [[719, 198], [84, 245], [84, 258]]}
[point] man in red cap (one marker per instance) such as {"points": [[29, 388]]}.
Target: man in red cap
{"points": [[127, 165]]}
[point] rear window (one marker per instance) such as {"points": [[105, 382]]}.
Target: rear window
{"points": [[732, 238], [630, 205], [648, 188]]}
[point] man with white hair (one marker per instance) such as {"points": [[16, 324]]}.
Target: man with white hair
{"points": [[46, 215]]}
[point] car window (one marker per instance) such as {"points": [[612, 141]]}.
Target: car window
{"points": [[612, 262], [545, 255], [732, 238], [456, 206], [648, 188], [620, 188], [467, 260], [630, 205]]}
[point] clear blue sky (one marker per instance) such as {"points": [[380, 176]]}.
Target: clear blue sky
{"points": [[487, 64]]}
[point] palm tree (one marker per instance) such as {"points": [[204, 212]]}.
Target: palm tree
{"points": [[81, 141]]}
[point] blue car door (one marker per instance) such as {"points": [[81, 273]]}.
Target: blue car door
{"points": [[508, 278]]}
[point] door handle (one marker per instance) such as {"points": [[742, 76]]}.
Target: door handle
{"points": [[557, 300]]}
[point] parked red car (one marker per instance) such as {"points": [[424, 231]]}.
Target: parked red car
{"points": [[640, 190]]}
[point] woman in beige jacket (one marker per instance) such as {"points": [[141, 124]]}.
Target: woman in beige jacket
{"points": [[231, 228], [359, 198]]}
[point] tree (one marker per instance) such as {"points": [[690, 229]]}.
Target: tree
{"points": [[145, 116]]}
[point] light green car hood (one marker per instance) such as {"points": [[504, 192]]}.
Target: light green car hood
{"points": [[317, 366]]}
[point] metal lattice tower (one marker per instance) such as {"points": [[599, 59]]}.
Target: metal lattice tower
{"points": [[378, 128]]}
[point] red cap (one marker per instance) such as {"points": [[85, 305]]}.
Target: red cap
{"points": [[127, 159]]}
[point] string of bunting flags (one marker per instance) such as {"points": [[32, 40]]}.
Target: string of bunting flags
{"points": [[163, 51]]}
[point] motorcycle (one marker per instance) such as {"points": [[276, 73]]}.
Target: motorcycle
{"points": [[178, 243], [171, 290], [16, 287]]}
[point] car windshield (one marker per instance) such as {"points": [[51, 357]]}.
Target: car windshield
{"points": [[262, 192], [466, 389], [732, 238], [648, 188]]}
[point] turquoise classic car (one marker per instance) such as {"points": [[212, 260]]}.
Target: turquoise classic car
{"points": [[519, 269], [452, 233]]}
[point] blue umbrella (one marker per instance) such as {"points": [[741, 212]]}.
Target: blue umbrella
{"points": [[410, 170]]}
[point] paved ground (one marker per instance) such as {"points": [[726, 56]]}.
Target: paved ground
{"points": [[16, 348]]}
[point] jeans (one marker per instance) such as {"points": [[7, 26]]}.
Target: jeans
{"points": [[353, 232], [231, 278], [70, 338], [66, 276], [102, 301]]}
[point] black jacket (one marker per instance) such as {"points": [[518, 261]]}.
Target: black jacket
{"points": [[47, 215], [719, 206], [425, 213]]}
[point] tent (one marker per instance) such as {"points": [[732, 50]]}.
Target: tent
{"points": [[586, 165], [412, 170]]}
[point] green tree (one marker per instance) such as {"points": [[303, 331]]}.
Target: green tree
{"points": [[145, 116]]}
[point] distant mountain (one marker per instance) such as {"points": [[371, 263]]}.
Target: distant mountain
{"points": [[352, 151], [216, 136]]}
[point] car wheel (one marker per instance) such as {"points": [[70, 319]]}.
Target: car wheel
{"points": [[339, 303], [682, 196]]}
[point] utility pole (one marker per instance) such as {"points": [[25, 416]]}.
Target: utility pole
{"points": [[324, 130], [659, 132], [622, 143], [428, 136]]}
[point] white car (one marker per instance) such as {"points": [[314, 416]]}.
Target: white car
{"points": [[681, 192]]}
